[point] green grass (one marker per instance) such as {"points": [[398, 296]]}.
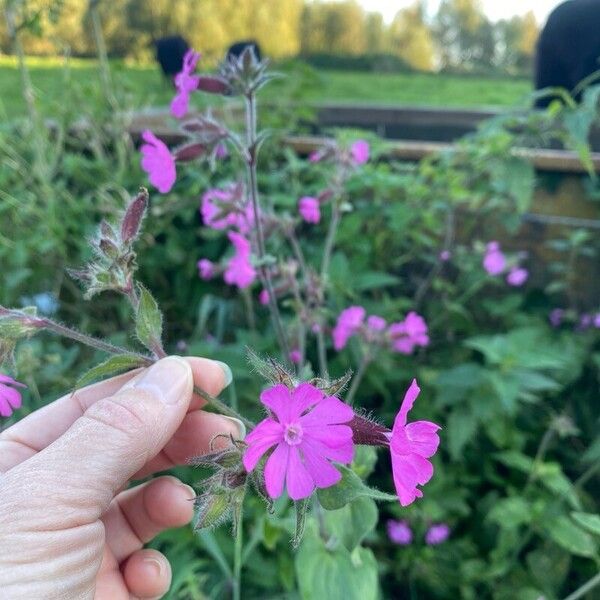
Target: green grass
{"points": [[53, 79]]}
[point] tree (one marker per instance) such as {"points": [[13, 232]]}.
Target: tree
{"points": [[411, 37], [516, 42]]}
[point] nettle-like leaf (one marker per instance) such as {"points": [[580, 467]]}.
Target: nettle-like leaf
{"points": [[148, 320], [348, 489], [119, 363]]}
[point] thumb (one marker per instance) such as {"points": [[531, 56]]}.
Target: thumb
{"points": [[79, 474]]}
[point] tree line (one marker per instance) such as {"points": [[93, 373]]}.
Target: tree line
{"points": [[458, 37]]}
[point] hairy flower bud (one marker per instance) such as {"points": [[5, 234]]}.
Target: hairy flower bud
{"points": [[134, 214], [213, 85]]}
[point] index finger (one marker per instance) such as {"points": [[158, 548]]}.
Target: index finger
{"points": [[42, 427]]}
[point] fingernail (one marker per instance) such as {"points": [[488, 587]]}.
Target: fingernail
{"points": [[189, 491], [169, 379], [240, 426], [156, 565], [226, 371]]}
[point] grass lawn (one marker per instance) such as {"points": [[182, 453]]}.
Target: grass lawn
{"points": [[53, 78]]}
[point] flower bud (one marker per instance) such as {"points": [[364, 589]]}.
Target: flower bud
{"points": [[134, 214], [212, 85], [213, 508]]}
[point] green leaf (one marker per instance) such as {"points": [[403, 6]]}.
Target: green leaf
{"points": [[325, 573], [510, 513], [114, 365], [348, 489], [588, 521], [148, 321], [460, 429], [571, 537], [352, 523]]}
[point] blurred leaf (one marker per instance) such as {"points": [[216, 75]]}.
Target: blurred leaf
{"points": [[588, 521], [352, 523], [570, 537]]}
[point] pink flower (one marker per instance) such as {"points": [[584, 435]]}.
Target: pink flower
{"points": [[240, 271], [295, 356], [437, 534], [206, 269], [493, 261], [306, 428], [585, 321], [375, 323], [348, 323], [158, 162], [263, 297], [224, 208], [556, 317], [445, 255], [10, 398], [221, 151], [399, 532], [597, 320], [410, 446], [517, 276], [360, 152], [315, 156], [186, 83], [408, 334], [308, 207]]}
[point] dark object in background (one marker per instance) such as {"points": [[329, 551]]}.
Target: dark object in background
{"points": [[568, 50], [169, 54], [235, 50]]}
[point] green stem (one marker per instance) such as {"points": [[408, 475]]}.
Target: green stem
{"points": [[102, 54], [357, 379], [330, 240], [585, 588], [223, 408], [237, 561], [252, 177], [322, 352]]}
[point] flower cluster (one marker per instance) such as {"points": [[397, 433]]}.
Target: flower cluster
{"points": [[400, 533], [495, 263], [403, 336], [309, 430], [10, 397], [185, 83]]}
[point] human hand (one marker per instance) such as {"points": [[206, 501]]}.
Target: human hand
{"points": [[67, 528]]}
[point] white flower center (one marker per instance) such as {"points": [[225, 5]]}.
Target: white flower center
{"points": [[293, 434]]}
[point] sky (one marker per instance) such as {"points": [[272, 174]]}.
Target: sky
{"points": [[494, 9]]}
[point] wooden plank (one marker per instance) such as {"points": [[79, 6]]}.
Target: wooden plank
{"points": [[558, 161]]}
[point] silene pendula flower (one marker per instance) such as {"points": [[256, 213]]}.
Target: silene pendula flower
{"points": [[517, 276], [399, 532], [239, 271], [263, 297], [348, 323], [556, 317], [219, 210], [10, 398], [315, 156], [376, 323], [206, 269], [307, 431], [408, 334], [411, 445], [494, 261], [185, 83], [437, 534], [295, 356], [158, 162], [360, 152], [309, 209], [221, 151]]}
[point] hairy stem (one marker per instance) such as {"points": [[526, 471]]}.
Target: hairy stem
{"points": [[585, 588], [322, 353], [251, 173], [330, 240], [222, 408], [237, 561], [357, 379]]}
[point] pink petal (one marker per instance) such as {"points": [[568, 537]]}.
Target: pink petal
{"points": [[298, 481], [409, 471], [329, 411], [13, 397], [275, 469], [423, 438], [322, 471], [279, 400], [265, 435], [333, 442], [407, 404], [305, 396], [5, 409]]}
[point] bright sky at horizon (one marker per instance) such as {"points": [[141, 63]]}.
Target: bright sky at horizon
{"points": [[494, 9]]}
